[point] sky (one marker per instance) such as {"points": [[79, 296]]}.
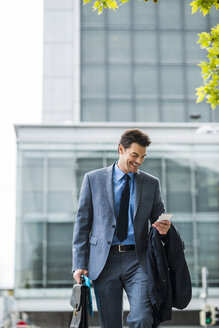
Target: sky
{"points": [[21, 67]]}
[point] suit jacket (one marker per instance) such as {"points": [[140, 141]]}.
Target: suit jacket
{"points": [[95, 222], [169, 280]]}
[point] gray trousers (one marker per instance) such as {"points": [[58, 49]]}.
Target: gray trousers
{"points": [[122, 271]]}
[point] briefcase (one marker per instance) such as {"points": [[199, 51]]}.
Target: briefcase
{"points": [[79, 301]]}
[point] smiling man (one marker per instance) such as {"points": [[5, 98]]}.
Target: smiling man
{"points": [[111, 229]]}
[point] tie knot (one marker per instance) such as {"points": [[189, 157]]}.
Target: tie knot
{"points": [[127, 177]]}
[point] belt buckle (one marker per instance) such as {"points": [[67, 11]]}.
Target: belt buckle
{"points": [[120, 249]]}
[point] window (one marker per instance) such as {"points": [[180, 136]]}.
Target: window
{"points": [[146, 111], [145, 46], [31, 248], [172, 81], [32, 185], [59, 259], [140, 57], [178, 186], [146, 80], [208, 249], [60, 182], [173, 111], [189, 183], [171, 47], [207, 177]]}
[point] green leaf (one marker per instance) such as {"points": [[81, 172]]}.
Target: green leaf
{"points": [[113, 5], [204, 39], [96, 5], [194, 7], [100, 9], [200, 94], [205, 11], [123, 1]]}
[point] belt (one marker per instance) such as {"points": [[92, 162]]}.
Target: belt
{"points": [[122, 248]]}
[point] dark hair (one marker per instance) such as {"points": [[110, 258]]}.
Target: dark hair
{"points": [[134, 135]]}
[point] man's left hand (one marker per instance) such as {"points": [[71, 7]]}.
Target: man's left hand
{"points": [[162, 227]]}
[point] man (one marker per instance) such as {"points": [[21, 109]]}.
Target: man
{"points": [[111, 228]]}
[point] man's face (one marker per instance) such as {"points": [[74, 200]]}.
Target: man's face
{"points": [[131, 158]]}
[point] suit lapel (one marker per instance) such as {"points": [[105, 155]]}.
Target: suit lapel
{"points": [[138, 183], [109, 187]]}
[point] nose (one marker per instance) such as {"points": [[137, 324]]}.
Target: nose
{"points": [[139, 161]]}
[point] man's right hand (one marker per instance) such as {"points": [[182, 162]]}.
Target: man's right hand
{"points": [[77, 275]]}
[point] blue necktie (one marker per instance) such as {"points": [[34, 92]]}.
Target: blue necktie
{"points": [[122, 219]]}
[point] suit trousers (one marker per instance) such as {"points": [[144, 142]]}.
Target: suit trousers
{"points": [[123, 271]]}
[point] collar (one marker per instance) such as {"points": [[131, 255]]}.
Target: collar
{"points": [[119, 174]]}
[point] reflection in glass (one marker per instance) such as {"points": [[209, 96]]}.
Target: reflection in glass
{"points": [[85, 165], [171, 47], [120, 111], [172, 81], [193, 79], [59, 263], [120, 80], [93, 86], [32, 259], [119, 48], [90, 53], [89, 20], [193, 51], [60, 202], [173, 111], [207, 177], [152, 166], [144, 14], [32, 201], [145, 46], [202, 109], [172, 10], [146, 111], [197, 22], [123, 18], [32, 177], [179, 197], [93, 110], [146, 80], [209, 245], [186, 233]]}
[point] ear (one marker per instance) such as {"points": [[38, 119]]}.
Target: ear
{"points": [[121, 149]]}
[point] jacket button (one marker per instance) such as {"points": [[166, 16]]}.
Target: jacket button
{"points": [[113, 226], [109, 243]]}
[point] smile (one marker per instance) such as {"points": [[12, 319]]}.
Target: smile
{"points": [[135, 165]]}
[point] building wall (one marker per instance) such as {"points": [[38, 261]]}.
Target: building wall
{"points": [[61, 84]]}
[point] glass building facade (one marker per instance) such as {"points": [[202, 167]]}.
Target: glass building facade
{"points": [[143, 58], [48, 188]]}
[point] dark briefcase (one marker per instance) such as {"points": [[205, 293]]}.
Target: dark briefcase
{"points": [[79, 301]]}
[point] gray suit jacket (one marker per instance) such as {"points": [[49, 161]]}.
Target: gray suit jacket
{"points": [[95, 222]]}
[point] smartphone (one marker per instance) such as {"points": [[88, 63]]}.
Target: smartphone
{"points": [[164, 216]]}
